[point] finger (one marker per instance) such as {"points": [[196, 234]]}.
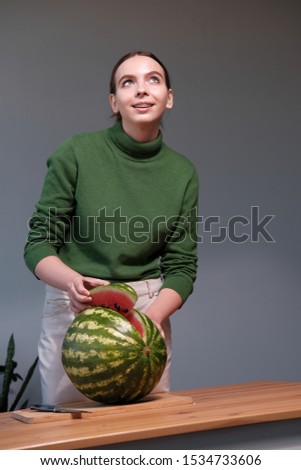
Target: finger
{"points": [[77, 307], [78, 294], [90, 282]]}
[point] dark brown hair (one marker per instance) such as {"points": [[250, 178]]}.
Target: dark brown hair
{"points": [[129, 55]]}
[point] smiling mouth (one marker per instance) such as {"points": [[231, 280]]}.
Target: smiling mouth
{"points": [[142, 105]]}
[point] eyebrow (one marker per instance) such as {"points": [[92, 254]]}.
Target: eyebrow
{"points": [[128, 76]]}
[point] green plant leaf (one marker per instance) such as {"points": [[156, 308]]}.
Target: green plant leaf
{"points": [[8, 373], [24, 405], [16, 376], [24, 385]]}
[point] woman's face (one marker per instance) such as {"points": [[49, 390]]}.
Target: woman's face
{"points": [[141, 95]]}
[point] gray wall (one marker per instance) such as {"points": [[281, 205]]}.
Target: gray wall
{"points": [[236, 75]]}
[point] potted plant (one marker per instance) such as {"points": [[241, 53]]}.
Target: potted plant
{"points": [[9, 376]]}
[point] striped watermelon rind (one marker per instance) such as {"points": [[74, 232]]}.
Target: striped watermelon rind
{"points": [[108, 360]]}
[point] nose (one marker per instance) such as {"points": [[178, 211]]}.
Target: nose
{"points": [[141, 88]]}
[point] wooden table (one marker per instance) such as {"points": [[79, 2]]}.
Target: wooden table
{"points": [[212, 408]]}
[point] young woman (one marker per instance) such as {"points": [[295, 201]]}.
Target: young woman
{"points": [[116, 205]]}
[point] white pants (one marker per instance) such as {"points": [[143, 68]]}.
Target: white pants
{"points": [[56, 387]]}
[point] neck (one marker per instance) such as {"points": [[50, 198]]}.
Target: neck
{"points": [[142, 132]]}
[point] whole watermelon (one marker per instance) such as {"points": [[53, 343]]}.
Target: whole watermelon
{"points": [[112, 358]]}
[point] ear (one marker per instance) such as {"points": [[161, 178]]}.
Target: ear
{"points": [[169, 103], [113, 103]]}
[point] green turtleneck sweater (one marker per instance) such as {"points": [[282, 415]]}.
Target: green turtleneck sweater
{"points": [[118, 209]]}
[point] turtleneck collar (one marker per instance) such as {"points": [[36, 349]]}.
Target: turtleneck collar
{"points": [[133, 148]]}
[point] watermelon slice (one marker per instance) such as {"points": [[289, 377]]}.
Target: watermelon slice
{"points": [[116, 296]]}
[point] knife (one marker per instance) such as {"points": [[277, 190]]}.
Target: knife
{"points": [[56, 409]]}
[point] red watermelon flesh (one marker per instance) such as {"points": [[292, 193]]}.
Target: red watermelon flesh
{"points": [[118, 296], [135, 320]]}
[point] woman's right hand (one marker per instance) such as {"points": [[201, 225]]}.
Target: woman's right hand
{"points": [[79, 291], [54, 272]]}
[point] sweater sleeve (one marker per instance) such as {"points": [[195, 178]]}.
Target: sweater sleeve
{"points": [[179, 259], [50, 223]]}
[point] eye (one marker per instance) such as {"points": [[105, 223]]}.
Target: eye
{"points": [[127, 82], [154, 79]]}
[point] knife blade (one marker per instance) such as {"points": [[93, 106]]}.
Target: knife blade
{"points": [[56, 408]]}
